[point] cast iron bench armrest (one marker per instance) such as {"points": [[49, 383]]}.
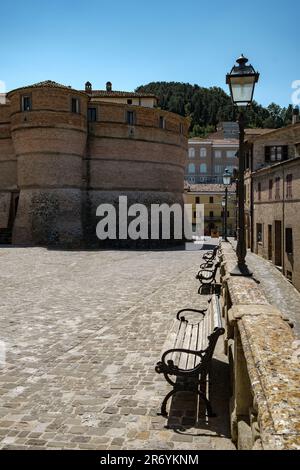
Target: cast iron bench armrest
{"points": [[209, 271], [169, 367], [207, 264], [189, 310]]}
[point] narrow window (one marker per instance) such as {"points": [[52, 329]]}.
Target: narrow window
{"points": [[203, 152], [191, 152], [162, 122], [92, 114], [285, 151], [259, 191], [289, 241], [75, 105], [270, 189], [181, 128], [267, 154], [259, 233], [277, 187], [211, 200], [191, 168], [26, 103], [130, 118], [289, 182], [203, 168], [211, 214], [197, 200], [129, 101]]}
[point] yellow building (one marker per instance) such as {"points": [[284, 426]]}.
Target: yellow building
{"points": [[211, 196]]}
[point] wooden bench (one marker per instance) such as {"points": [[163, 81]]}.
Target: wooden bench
{"points": [[189, 350], [208, 276], [211, 255]]}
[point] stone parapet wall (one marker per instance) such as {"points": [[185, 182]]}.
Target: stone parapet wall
{"points": [[264, 365]]}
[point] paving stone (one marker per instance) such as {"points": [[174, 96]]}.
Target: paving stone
{"points": [[84, 330]]}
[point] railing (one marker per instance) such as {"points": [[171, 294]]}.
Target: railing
{"points": [[264, 365]]}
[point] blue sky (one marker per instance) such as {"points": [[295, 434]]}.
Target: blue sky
{"points": [[134, 42]]}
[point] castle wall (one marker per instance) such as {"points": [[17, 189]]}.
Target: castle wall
{"points": [[49, 142], [143, 162], [8, 173], [65, 167]]}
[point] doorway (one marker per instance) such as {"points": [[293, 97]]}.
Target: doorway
{"points": [[270, 242], [278, 243]]}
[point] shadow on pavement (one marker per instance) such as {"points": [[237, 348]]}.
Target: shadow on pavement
{"points": [[187, 414]]}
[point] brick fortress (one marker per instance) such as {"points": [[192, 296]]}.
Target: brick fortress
{"points": [[63, 152]]}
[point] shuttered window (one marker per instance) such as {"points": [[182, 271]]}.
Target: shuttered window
{"points": [[289, 241], [276, 153], [130, 118], [289, 187], [92, 114]]}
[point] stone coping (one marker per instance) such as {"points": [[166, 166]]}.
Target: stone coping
{"points": [[271, 354], [274, 377]]}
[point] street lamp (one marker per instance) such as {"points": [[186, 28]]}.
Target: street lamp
{"points": [[241, 81], [236, 181], [226, 182]]}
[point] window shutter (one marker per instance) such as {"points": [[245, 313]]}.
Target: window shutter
{"points": [[289, 241], [285, 151]]}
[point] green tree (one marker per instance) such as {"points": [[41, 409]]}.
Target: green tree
{"points": [[206, 107]]}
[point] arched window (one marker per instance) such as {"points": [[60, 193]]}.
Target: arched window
{"points": [[203, 152], [203, 168], [191, 152], [191, 168]]}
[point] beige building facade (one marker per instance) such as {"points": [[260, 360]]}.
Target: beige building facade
{"points": [[273, 199], [65, 151], [211, 195], [208, 158]]}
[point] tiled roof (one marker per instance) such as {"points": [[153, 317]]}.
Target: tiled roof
{"points": [[225, 142], [45, 84], [48, 84], [119, 94], [257, 131], [209, 188]]}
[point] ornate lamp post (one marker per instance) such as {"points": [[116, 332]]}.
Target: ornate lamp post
{"points": [[241, 81], [226, 182]]}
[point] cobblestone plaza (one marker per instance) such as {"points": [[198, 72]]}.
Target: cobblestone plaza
{"points": [[83, 331]]}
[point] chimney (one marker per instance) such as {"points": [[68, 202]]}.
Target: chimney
{"points": [[295, 117], [108, 86], [88, 87]]}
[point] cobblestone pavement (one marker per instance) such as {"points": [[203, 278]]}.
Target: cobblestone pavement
{"points": [[278, 290], [83, 331]]}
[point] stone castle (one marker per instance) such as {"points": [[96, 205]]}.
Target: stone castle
{"points": [[64, 151]]}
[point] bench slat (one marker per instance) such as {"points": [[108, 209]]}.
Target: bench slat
{"points": [[193, 346], [186, 344], [179, 341]]}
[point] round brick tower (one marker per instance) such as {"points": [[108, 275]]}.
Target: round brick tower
{"points": [[143, 159], [48, 128]]}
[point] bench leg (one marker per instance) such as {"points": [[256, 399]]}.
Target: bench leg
{"points": [[202, 395], [209, 410], [163, 409]]}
